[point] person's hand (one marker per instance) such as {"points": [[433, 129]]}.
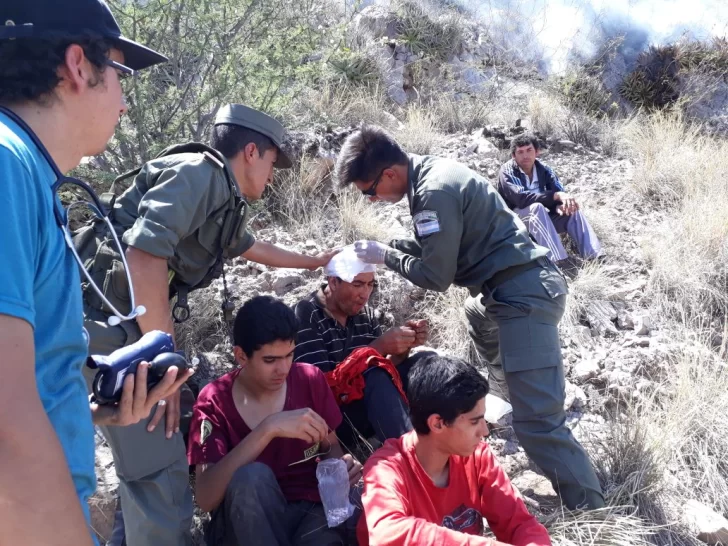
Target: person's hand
{"points": [[353, 467], [371, 252], [568, 204], [395, 341], [302, 424], [422, 330], [169, 408], [136, 403], [322, 258]]}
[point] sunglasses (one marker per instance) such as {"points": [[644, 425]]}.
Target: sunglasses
{"points": [[372, 191], [123, 71]]}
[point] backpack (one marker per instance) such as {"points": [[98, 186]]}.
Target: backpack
{"points": [[101, 259]]}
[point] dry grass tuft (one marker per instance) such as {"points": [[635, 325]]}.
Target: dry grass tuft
{"points": [[301, 197], [605, 527], [358, 219], [419, 134], [683, 171], [448, 325], [594, 281]]}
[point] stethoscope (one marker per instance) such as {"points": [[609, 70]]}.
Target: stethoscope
{"points": [[61, 216]]}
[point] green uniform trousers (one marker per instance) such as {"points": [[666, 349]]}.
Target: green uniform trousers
{"points": [[156, 499], [515, 331]]}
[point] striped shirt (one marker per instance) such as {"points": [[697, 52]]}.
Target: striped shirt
{"points": [[322, 341]]}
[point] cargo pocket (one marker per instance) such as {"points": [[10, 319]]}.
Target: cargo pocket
{"points": [[526, 344], [553, 282]]}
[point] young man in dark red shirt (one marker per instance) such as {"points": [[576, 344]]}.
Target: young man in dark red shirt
{"points": [[256, 434], [436, 484]]}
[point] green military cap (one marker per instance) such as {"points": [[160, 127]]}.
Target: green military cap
{"points": [[239, 114]]}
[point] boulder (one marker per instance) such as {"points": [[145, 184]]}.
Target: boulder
{"points": [[575, 397], [586, 370], [600, 315], [530, 483], [284, 282], [710, 527], [643, 324]]}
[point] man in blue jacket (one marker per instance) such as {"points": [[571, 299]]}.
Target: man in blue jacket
{"points": [[532, 190]]}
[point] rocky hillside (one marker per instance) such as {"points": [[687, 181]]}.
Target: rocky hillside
{"points": [[644, 337]]}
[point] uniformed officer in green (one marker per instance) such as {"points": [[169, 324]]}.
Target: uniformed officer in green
{"points": [[182, 214], [466, 235]]}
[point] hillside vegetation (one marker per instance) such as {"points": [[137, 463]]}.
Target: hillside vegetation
{"points": [[648, 157]]}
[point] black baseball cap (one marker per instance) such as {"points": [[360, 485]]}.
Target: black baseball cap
{"points": [[72, 19]]}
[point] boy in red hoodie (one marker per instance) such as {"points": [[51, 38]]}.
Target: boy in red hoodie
{"points": [[434, 485]]}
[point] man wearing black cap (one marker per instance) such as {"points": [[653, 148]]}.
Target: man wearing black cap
{"points": [[183, 213], [60, 99]]}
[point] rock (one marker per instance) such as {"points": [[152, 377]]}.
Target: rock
{"points": [[285, 282], [530, 483], [583, 336], [586, 370], [509, 448], [710, 527], [624, 320], [600, 315], [486, 148], [562, 145], [643, 324], [575, 397]]}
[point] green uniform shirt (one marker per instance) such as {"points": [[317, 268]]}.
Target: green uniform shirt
{"points": [[175, 209], [464, 232]]}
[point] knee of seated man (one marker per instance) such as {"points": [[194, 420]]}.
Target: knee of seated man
{"points": [[537, 208], [250, 477]]}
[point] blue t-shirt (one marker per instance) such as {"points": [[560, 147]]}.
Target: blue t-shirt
{"points": [[39, 283]]}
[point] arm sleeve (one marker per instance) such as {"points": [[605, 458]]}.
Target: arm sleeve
{"points": [[504, 510], [435, 268], [517, 197], [386, 509], [207, 443], [408, 246], [310, 347], [19, 238], [324, 402], [553, 183], [181, 200]]}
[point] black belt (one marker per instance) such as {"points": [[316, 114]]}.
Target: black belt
{"points": [[513, 271]]}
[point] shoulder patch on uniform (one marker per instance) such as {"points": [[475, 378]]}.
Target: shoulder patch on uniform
{"points": [[205, 430], [426, 222]]}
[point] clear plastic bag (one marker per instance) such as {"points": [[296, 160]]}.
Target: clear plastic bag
{"points": [[333, 485]]}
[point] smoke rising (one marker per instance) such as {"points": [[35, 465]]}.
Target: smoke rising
{"points": [[557, 33]]}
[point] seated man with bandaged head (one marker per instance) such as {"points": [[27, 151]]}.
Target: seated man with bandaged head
{"points": [[339, 333]]}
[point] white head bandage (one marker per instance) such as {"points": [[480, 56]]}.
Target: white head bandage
{"points": [[346, 265]]}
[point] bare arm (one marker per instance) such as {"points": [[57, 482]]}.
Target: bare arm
{"points": [[150, 277], [149, 274], [275, 256], [38, 502]]}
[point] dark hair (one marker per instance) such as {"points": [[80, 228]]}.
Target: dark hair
{"points": [[262, 320], [444, 385], [29, 66], [366, 153], [524, 140], [229, 139]]}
